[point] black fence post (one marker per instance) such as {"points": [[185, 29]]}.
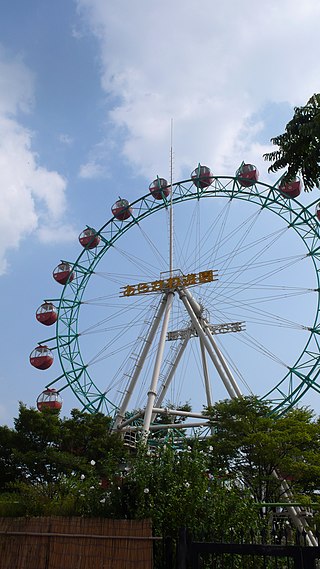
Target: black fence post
{"points": [[182, 549], [168, 553], [307, 558]]}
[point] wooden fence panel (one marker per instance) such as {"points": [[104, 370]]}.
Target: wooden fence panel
{"points": [[75, 543]]}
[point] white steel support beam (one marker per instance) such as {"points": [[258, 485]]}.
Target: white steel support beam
{"points": [[179, 426], [152, 393], [199, 310], [206, 374], [175, 412], [222, 360], [130, 420], [162, 427], [166, 384], [295, 513], [195, 305], [140, 363], [207, 344]]}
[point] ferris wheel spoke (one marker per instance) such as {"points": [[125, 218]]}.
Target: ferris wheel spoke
{"points": [[250, 265], [237, 372], [253, 313], [255, 345], [154, 249], [147, 268], [243, 247], [240, 233], [104, 354], [237, 290]]}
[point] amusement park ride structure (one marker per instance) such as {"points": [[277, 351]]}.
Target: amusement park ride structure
{"points": [[188, 287], [183, 298]]}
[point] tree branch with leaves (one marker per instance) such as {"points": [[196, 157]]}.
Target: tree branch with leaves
{"points": [[299, 146]]}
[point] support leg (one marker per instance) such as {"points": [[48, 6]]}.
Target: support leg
{"points": [[155, 376], [140, 363], [207, 344]]}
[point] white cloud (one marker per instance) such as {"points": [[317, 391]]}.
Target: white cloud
{"points": [[91, 170], [66, 139], [210, 66], [76, 33], [97, 165], [57, 233], [16, 86], [32, 198]]}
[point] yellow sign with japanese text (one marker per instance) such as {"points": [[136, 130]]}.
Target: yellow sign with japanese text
{"points": [[171, 283]]}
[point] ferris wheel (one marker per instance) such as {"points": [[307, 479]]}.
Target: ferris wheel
{"points": [[235, 312]]}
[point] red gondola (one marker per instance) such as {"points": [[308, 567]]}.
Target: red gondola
{"points": [[121, 209], [247, 175], [49, 399], [159, 188], [63, 273], [318, 210], [41, 357], [47, 314], [89, 238], [291, 189], [202, 176]]}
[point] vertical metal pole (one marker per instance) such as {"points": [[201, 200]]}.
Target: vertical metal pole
{"points": [[206, 374], [140, 363], [155, 376], [182, 549], [171, 205]]}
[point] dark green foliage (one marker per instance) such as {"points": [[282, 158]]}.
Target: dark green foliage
{"points": [[44, 449], [36, 447], [299, 145], [75, 466], [250, 443], [7, 463], [178, 488], [88, 435]]}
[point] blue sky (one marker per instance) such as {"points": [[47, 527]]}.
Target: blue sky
{"points": [[88, 89]]}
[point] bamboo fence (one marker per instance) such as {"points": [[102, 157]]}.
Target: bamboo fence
{"points": [[75, 543]]}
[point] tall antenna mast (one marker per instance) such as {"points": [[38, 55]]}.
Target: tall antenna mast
{"points": [[171, 204]]}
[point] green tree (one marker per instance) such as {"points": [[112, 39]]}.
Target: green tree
{"points": [[299, 146], [8, 469], [88, 435], [75, 466], [250, 444], [176, 487], [35, 446], [43, 450]]}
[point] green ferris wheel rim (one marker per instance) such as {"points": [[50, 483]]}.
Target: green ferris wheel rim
{"points": [[289, 390]]}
